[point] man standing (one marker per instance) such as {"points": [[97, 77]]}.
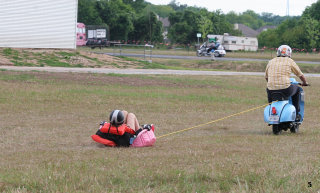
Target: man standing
{"points": [[278, 73]]}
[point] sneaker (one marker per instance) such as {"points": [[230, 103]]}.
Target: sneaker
{"points": [[298, 117], [148, 127]]}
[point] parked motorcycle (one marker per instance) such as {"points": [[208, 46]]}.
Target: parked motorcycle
{"points": [[281, 114]]}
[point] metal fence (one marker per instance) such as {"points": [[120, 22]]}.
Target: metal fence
{"points": [[132, 50]]}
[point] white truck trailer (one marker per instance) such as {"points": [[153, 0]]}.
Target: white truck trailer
{"points": [[38, 23], [235, 43]]}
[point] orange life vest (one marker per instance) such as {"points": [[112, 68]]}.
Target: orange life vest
{"points": [[103, 141], [108, 130], [120, 130]]}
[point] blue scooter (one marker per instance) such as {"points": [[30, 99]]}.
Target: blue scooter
{"points": [[281, 114]]}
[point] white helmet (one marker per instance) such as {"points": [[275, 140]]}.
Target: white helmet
{"points": [[284, 51]]}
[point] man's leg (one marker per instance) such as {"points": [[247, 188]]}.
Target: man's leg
{"points": [[294, 92], [125, 114], [296, 98], [209, 50], [132, 121], [269, 96]]}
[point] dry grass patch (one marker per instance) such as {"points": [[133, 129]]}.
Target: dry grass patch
{"points": [[62, 58], [47, 119]]}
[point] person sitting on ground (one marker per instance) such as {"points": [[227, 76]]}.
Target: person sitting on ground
{"points": [[120, 131], [278, 73]]}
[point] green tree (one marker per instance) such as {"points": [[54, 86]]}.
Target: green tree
{"points": [[291, 32], [311, 21], [188, 19], [175, 17], [313, 11], [205, 26], [137, 5], [298, 32], [87, 13], [269, 39], [312, 28], [248, 18], [221, 25], [232, 17], [118, 16], [161, 10], [148, 28], [180, 33]]}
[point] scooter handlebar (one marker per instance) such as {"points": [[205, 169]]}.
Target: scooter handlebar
{"points": [[304, 84]]}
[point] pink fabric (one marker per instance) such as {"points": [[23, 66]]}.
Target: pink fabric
{"points": [[145, 138]]}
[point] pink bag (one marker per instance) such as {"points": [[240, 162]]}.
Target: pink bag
{"points": [[145, 138]]}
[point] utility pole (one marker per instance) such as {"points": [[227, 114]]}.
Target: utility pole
{"points": [[287, 11], [150, 26]]}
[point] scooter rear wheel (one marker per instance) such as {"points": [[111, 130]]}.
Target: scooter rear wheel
{"points": [[295, 129], [276, 129]]}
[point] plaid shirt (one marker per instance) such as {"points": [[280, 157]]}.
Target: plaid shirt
{"points": [[278, 72]]}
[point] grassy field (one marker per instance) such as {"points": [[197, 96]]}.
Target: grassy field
{"points": [[46, 120]]}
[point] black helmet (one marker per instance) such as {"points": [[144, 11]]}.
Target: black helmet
{"points": [[116, 118]]}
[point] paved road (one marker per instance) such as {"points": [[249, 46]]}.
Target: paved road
{"points": [[201, 58], [135, 71]]}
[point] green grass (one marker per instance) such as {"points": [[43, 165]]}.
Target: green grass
{"points": [[127, 58], [47, 119], [18, 77], [54, 62], [8, 51], [68, 54], [154, 65]]}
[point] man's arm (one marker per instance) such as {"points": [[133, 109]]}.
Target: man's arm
{"points": [[296, 70], [266, 74], [304, 81]]}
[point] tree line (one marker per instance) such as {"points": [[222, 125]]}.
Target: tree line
{"points": [[137, 21], [302, 33]]}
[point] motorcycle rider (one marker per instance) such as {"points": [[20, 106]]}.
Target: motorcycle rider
{"points": [[211, 45], [278, 73]]}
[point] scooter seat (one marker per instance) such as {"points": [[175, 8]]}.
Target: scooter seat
{"points": [[278, 96]]}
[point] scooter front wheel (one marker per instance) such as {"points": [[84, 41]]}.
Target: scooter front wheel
{"points": [[276, 129]]}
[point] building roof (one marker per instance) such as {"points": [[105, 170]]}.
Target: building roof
{"points": [[165, 21], [265, 28], [246, 31]]}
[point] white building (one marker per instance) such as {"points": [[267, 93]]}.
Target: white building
{"points": [[233, 43], [38, 23]]}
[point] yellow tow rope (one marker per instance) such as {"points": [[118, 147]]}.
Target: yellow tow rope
{"points": [[223, 118]]}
